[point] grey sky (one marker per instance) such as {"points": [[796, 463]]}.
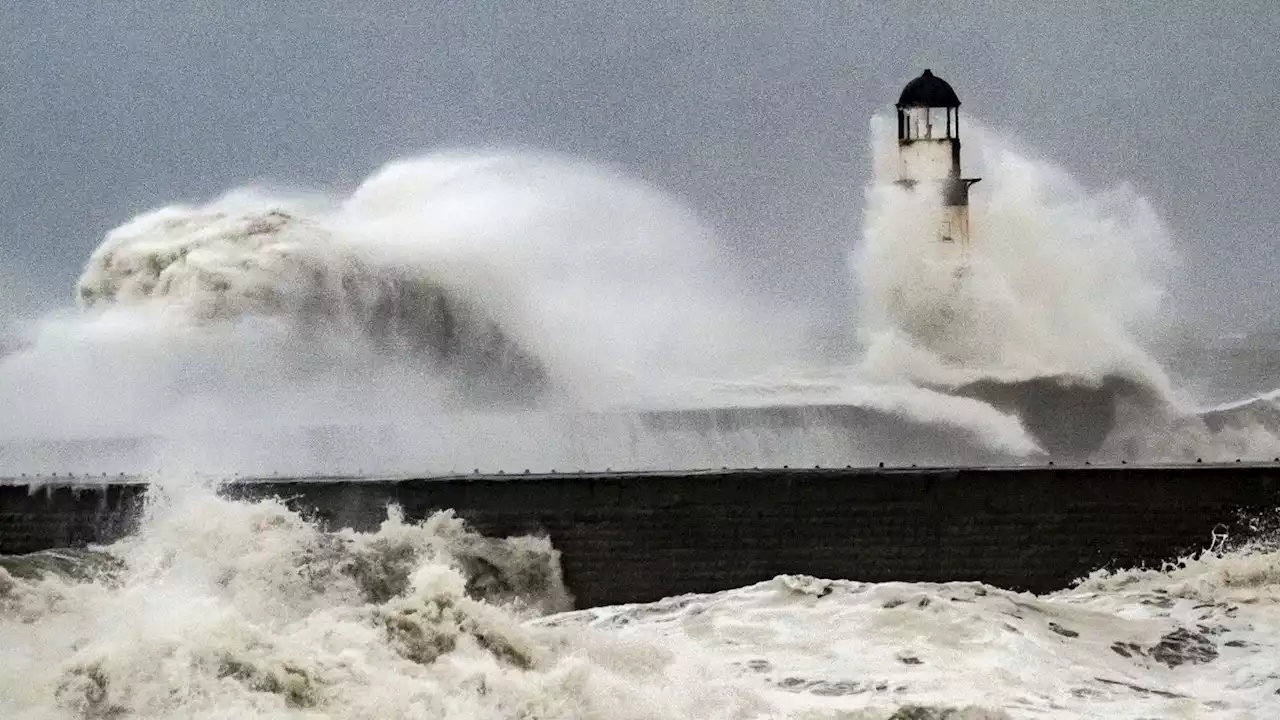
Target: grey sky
{"points": [[755, 113]]}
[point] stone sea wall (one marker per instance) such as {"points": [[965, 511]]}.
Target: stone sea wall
{"points": [[635, 537]]}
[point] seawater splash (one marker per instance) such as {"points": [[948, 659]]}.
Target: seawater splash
{"points": [[248, 256], [519, 311], [456, 311], [617, 285], [237, 318], [1196, 639], [572, 269], [219, 609], [446, 285], [1055, 281], [1040, 315]]}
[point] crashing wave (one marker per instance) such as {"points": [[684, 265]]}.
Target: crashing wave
{"points": [[224, 609], [245, 257], [1042, 322]]}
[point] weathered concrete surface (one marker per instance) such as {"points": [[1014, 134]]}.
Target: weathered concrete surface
{"points": [[640, 537]]}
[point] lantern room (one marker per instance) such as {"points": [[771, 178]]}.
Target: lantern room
{"points": [[929, 150], [928, 109]]}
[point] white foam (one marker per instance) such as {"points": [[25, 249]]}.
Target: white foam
{"points": [[1055, 279], [223, 609], [1101, 650], [219, 609], [232, 328]]}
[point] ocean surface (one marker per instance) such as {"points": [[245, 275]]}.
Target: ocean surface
{"points": [[221, 609], [500, 312]]}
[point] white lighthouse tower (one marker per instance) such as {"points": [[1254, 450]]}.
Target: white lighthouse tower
{"points": [[929, 151]]}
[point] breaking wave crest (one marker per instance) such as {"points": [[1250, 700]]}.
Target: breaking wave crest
{"points": [[523, 268], [252, 256], [588, 309], [532, 297], [220, 608], [445, 284]]}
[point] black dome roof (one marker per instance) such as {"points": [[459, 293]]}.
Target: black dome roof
{"points": [[928, 90]]}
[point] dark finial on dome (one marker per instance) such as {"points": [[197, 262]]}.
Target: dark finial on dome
{"points": [[928, 90]]}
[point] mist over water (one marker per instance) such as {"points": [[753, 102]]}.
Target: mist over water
{"points": [[594, 276], [500, 311], [445, 285], [1044, 313], [1056, 281]]}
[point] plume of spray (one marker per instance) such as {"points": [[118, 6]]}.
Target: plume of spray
{"points": [[1050, 296], [617, 287], [446, 283], [453, 284], [1054, 281], [218, 609]]}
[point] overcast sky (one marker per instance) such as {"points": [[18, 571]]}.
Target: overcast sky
{"points": [[754, 113]]}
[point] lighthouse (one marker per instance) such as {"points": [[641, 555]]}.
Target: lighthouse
{"points": [[929, 151]]}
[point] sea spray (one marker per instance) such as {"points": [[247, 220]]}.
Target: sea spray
{"points": [[218, 608], [1041, 314], [1053, 282], [618, 286], [1194, 639], [447, 283], [252, 257], [455, 312], [511, 311]]}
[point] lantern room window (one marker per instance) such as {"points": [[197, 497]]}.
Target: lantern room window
{"points": [[928, 123]]}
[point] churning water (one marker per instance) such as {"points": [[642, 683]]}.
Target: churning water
{"points": [[222, 609], [507, 311]]}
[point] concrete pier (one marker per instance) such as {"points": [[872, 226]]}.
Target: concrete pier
{"points": [[634, 537]]}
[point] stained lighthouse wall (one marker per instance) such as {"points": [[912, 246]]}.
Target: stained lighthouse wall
{"points": [[924, 160]]}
